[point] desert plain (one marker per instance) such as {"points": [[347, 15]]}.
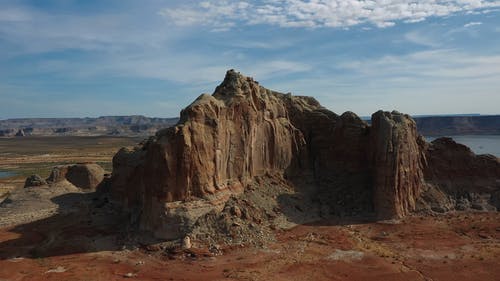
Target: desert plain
{"points": [[72, 235]]}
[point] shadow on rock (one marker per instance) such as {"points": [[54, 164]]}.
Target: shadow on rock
{"points": [[84, 222], [332, 202]]}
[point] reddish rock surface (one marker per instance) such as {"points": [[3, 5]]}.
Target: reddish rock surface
{"points": [[243, 131], [224, 141]]}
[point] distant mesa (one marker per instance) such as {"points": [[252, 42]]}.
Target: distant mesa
{"points": [[458, 125], [101, 126], [245, 137], [146, 126]]}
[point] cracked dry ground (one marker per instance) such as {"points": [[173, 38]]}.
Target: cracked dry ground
{"points": [[460, 246]]}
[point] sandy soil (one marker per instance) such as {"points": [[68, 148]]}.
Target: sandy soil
{"points": [[80, 246], [61, 233]]}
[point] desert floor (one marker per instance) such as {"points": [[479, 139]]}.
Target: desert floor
{"points": [[75, 236], [25, 156], [449, 247]]}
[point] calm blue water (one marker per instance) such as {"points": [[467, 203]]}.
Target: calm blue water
{"points": [[479, 144], [6, 174]]}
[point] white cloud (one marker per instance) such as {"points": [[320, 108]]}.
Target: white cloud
{"points": [[474, 23], [420, 38], [191, 69], [220, 15], [140, 44], [445, 65], [318, 13], [36, 31], [276, 42], [128, 45], [439, 81], [275, 67]]}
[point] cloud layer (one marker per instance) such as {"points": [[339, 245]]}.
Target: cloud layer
{"points": [[472, 24], [128, 58], [222, 15]]}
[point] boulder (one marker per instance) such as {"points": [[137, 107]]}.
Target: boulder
{"points": [[34, 180], [186, 243], [84, 176]]}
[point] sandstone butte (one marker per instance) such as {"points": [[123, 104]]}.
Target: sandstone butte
{"points": [[242, 131]]}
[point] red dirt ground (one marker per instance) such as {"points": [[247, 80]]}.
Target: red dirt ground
{"points": [[460, 246]]}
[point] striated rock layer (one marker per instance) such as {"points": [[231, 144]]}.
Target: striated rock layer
{"points": [[396, 163], [221, 143], [243, 131]]}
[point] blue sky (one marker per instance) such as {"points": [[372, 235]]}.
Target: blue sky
{"points": [[68, 58]]}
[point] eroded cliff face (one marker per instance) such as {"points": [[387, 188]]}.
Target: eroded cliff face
{"points": [[396, 160], [221, 143], [224, 141], [465, 179]]}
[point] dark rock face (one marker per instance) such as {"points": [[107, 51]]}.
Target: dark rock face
{"points": [[20, 133], [84, 176], [34, 180], [468, 180], [244, 131]]}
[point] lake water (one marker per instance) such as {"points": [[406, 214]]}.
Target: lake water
{"points": [[6, 174], [479, 144]]}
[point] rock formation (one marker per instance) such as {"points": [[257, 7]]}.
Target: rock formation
{"points": [[467, 180], [34, 180], [84, 176], [221, 142], [396, 163], [243, 132], [20, 133]]}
